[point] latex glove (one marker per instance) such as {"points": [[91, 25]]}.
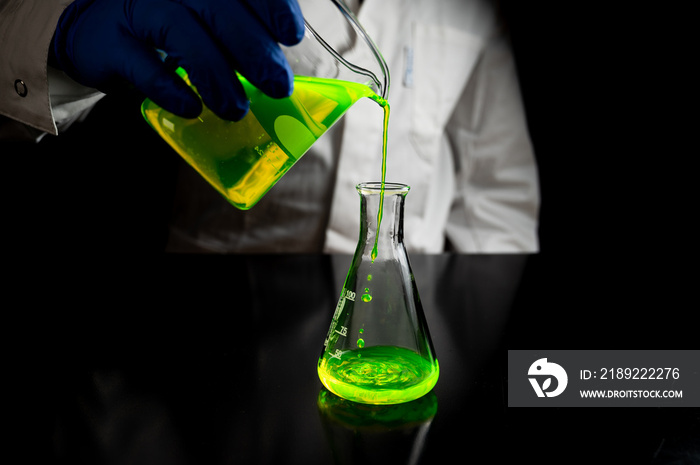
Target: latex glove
{"points": [[103, 43]]}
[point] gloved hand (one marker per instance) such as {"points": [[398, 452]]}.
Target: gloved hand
{"points": [[103, 43]]}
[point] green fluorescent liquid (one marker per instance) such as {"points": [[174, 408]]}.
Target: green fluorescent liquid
{"points": [[386, 107], [243, 160], [378, 375]]}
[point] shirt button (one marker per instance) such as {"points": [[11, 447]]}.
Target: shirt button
{"points": [[21, 88]]}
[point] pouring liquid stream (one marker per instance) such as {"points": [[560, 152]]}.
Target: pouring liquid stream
{"points": [[385, 129]]}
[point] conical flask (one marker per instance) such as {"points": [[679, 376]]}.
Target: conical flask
{"points": [[243, 160], [378, 348]]}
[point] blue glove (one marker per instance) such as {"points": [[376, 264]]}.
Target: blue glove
{"points": [[105, 43]]}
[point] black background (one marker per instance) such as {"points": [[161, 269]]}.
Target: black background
{"points": [[608, 95]]}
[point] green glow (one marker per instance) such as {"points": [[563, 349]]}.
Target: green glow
{"points": [[378, 375], [243, 160]]}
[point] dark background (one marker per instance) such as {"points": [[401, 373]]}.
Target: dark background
{"points": [[607, 94], [607, 91]]}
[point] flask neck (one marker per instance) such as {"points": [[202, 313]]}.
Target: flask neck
{"points": [[381, 232]]}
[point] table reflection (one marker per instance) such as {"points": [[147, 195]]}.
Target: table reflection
{"points": [[376, 434], [212, 359]]}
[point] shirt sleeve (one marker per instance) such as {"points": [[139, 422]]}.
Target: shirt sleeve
{"points": [[496, 199], [26, 96]]}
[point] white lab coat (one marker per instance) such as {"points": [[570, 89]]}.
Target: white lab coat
{"points": [[457, 136], [35, 99]]}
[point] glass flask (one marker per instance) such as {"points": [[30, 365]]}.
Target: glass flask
{"points": [[378, 348], [243, 160]]}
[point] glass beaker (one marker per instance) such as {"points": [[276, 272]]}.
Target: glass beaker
{"points": [[378, 348], [243, 160]]}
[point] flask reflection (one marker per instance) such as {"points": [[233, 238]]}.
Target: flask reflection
{"points": [[376, 434]]}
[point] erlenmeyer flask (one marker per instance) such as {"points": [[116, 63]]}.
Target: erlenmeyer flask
{"points": [[378, 348], [243, 160]]}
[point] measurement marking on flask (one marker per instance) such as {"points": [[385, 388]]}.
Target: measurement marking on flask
{"points": [[337, 354], [343, 331], [346, 294], [350, 295], [338, 309]]}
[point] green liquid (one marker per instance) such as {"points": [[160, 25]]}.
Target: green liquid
{"points": [[387, 110], [243, 160], [378, 375]]}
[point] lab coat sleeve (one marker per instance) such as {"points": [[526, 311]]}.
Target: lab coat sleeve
{"points": [[34, 98], [497, 198]]}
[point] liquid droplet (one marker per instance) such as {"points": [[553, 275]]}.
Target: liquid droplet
{"points": [[360, 343], [366, 297]]}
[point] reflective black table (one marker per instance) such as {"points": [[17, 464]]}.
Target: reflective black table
{"points": [[190, 359]]}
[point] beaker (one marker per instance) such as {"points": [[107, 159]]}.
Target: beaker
{"points": [[243, 160], [378, 348]]}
